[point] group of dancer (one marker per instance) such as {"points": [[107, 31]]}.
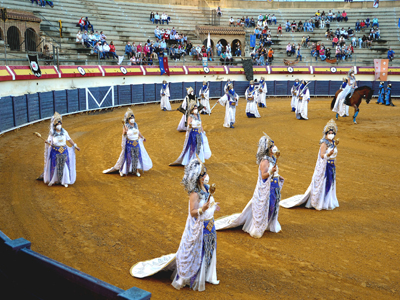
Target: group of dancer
{"points": [[385, 97], [300, 98], [194, 263]]}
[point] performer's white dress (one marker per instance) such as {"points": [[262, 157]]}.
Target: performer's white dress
{"points": [[256, 216], [294, 92], [188, 261], [206, 100], [341, 108], [123, 165], [230, 104], [302, 105], [53, 158], [164, 93], [182, 122], [191, 143], [316, 195], [251, 106], [262, 96]]}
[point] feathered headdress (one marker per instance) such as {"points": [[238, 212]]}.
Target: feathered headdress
{"points": [[331, 125], [193, 170], [265, 143], [56, 118]]}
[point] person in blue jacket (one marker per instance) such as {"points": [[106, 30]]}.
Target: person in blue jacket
{"points": [[389, 95], [381, 98]]}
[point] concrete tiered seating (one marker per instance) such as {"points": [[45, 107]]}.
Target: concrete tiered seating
{"points": [[388, 20]]}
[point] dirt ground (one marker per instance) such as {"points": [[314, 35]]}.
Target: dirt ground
{"points": [[103, 224]]}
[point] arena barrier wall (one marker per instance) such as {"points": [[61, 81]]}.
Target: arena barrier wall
{"points": [[26, 274], [18, 111]]}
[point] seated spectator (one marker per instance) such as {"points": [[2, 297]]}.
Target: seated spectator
{"points": [[270, 55], [328, 53], [354, 41], [146, 50], [257, 33], [79, 38], [322, 22], [350, 32], [377, 34], [335, 40], [294, 26], [88, 25], [231, 22], [157, 33], [238, 52], [157, 18], [92, 40], [229, 58], [164, 18], [106, 50], [264, 32], [36, 2], [198, 52], [85, 39], [139, 49], [298, 53], [367, 22], [189, 48], [102, 37], [203, 51], [330, 16], [219, 48], [128, 50], [238, 23], [279, 30], [322, 54], [219, 12], [362, 24], [44, 2], [81, 23], [222, 58], [252, 23], [293, 50], [112, 50], [339, 16], [375, 22], [273, 19], [300, 26], [364, 41], [310, 27], [358, 26], [344, 16], [132, 60], [369, 42], [390, 54], [96, 48], [327, 23], [338, 53], [247, 21], [288, 25], [152, 17], [100, 50], [303, 41], [97, 36], [334, 16]]}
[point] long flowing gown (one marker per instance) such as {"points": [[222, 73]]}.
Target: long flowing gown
{"points": [[59, 160], [251, 106], [195, 142], [262, 96], [195, 263], [230, 104], [206, 100], [133, 152], [302, 105], [321, 194], [294, 91], [164, 103], [261, 212], [341, 108]]}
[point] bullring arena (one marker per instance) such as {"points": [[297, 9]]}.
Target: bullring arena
{"points": [[104, 223]]}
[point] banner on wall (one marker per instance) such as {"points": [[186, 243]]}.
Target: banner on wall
{"points": [[34, 65], [381, 69], [163, 62], [252, 40]]}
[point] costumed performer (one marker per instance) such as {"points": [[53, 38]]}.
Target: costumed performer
{"points": [[133, 156], [389, 95], [195, 263], [262, 93], [59, 159], [230, 100], [251, 106], [184, 108], [261, 213], [165, 95], [321, 194], [226, 86], [294, 92], [340, 108], [302, 101], [196, 142], [381, 97], [204, 95]]}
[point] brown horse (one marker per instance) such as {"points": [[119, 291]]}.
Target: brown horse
{"points": [[355, 100]]}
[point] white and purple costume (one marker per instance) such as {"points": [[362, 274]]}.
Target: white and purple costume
{"points": [[340, 108], [204, 95], [230, 100], [251, 106], [302, 102], [294, 91], [164, 93], [262, 91]]}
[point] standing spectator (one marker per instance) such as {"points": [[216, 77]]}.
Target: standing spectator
{"points": [[238, 52], [152, 17], [88, 25], [390, 54], [210, 53], [112, 50], [270, 55], [81, 23], [219, 12], [298, 53], [279, 30]]}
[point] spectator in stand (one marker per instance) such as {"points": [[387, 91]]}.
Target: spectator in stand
{"points": [[157, 18], [358, 26], [219, 12], [139, 49], [257, 33], [106, 50], [328, 53], [328, 23], [36, 2], [189, 47], [252, 23], [264, 32], [350, 32], [97, 36], [273, 19], [288, 25], [270, 55], [112, 50], [231, 22], [91, 39], [172, 53], [367, 22], [330, 15], [339, 16], [310, 27], [219, 48], [48, 2], [362, 24], [293, 50], [390, 54], [375, 22], [210, 55], [152, 17], [335, 40], [279, 30], [298, 53], [238, 23], [334, 16], [369, 42], [247, 21], [88, 25], [102, 37], [338, 53], [133, 61], [364, 41], [294, 26], [229, 58], [377, 34], [354, 41], [238, 52], [81, 23], [134, 49], [164, 18], [344, 16], [96, 49], [146, 50], [101, 51], [300, 26], [222, 58], [322, 55], [157, 33], [79, 38], [85, 39]]}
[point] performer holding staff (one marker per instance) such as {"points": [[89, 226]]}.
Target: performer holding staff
{"points": [[164, 93], [251, 107], [230, 100], [133, 156], [294, 91], [195, 263], [196, 142], [262, 93], [204, 95], [184, 108], [302, 101], [261, 213], [59, 159], [321, 194]]}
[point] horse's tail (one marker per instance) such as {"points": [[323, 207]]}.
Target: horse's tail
{"points": [[333, 102]]}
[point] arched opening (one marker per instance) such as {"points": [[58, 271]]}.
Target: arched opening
{"points": [[13, 38], [236, 44], [1, 35], [212, 44], [30, 40], [223, 42]]}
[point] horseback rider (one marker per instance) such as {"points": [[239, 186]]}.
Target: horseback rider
{"points": [[352, 81]]}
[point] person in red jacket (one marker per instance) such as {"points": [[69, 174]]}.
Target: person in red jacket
{"points": [[112, 50], [82, 23], [139, 51], [279, 30], [146, 50]]}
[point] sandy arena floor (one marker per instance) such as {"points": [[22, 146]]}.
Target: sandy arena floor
{"points": [[103, 224]]}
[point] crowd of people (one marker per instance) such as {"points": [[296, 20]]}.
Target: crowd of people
{"points": [[42, 3]]}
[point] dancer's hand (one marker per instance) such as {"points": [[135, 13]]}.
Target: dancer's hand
{"points": [[330, 153], [273, 170], [206, 205], [217, 208]]}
